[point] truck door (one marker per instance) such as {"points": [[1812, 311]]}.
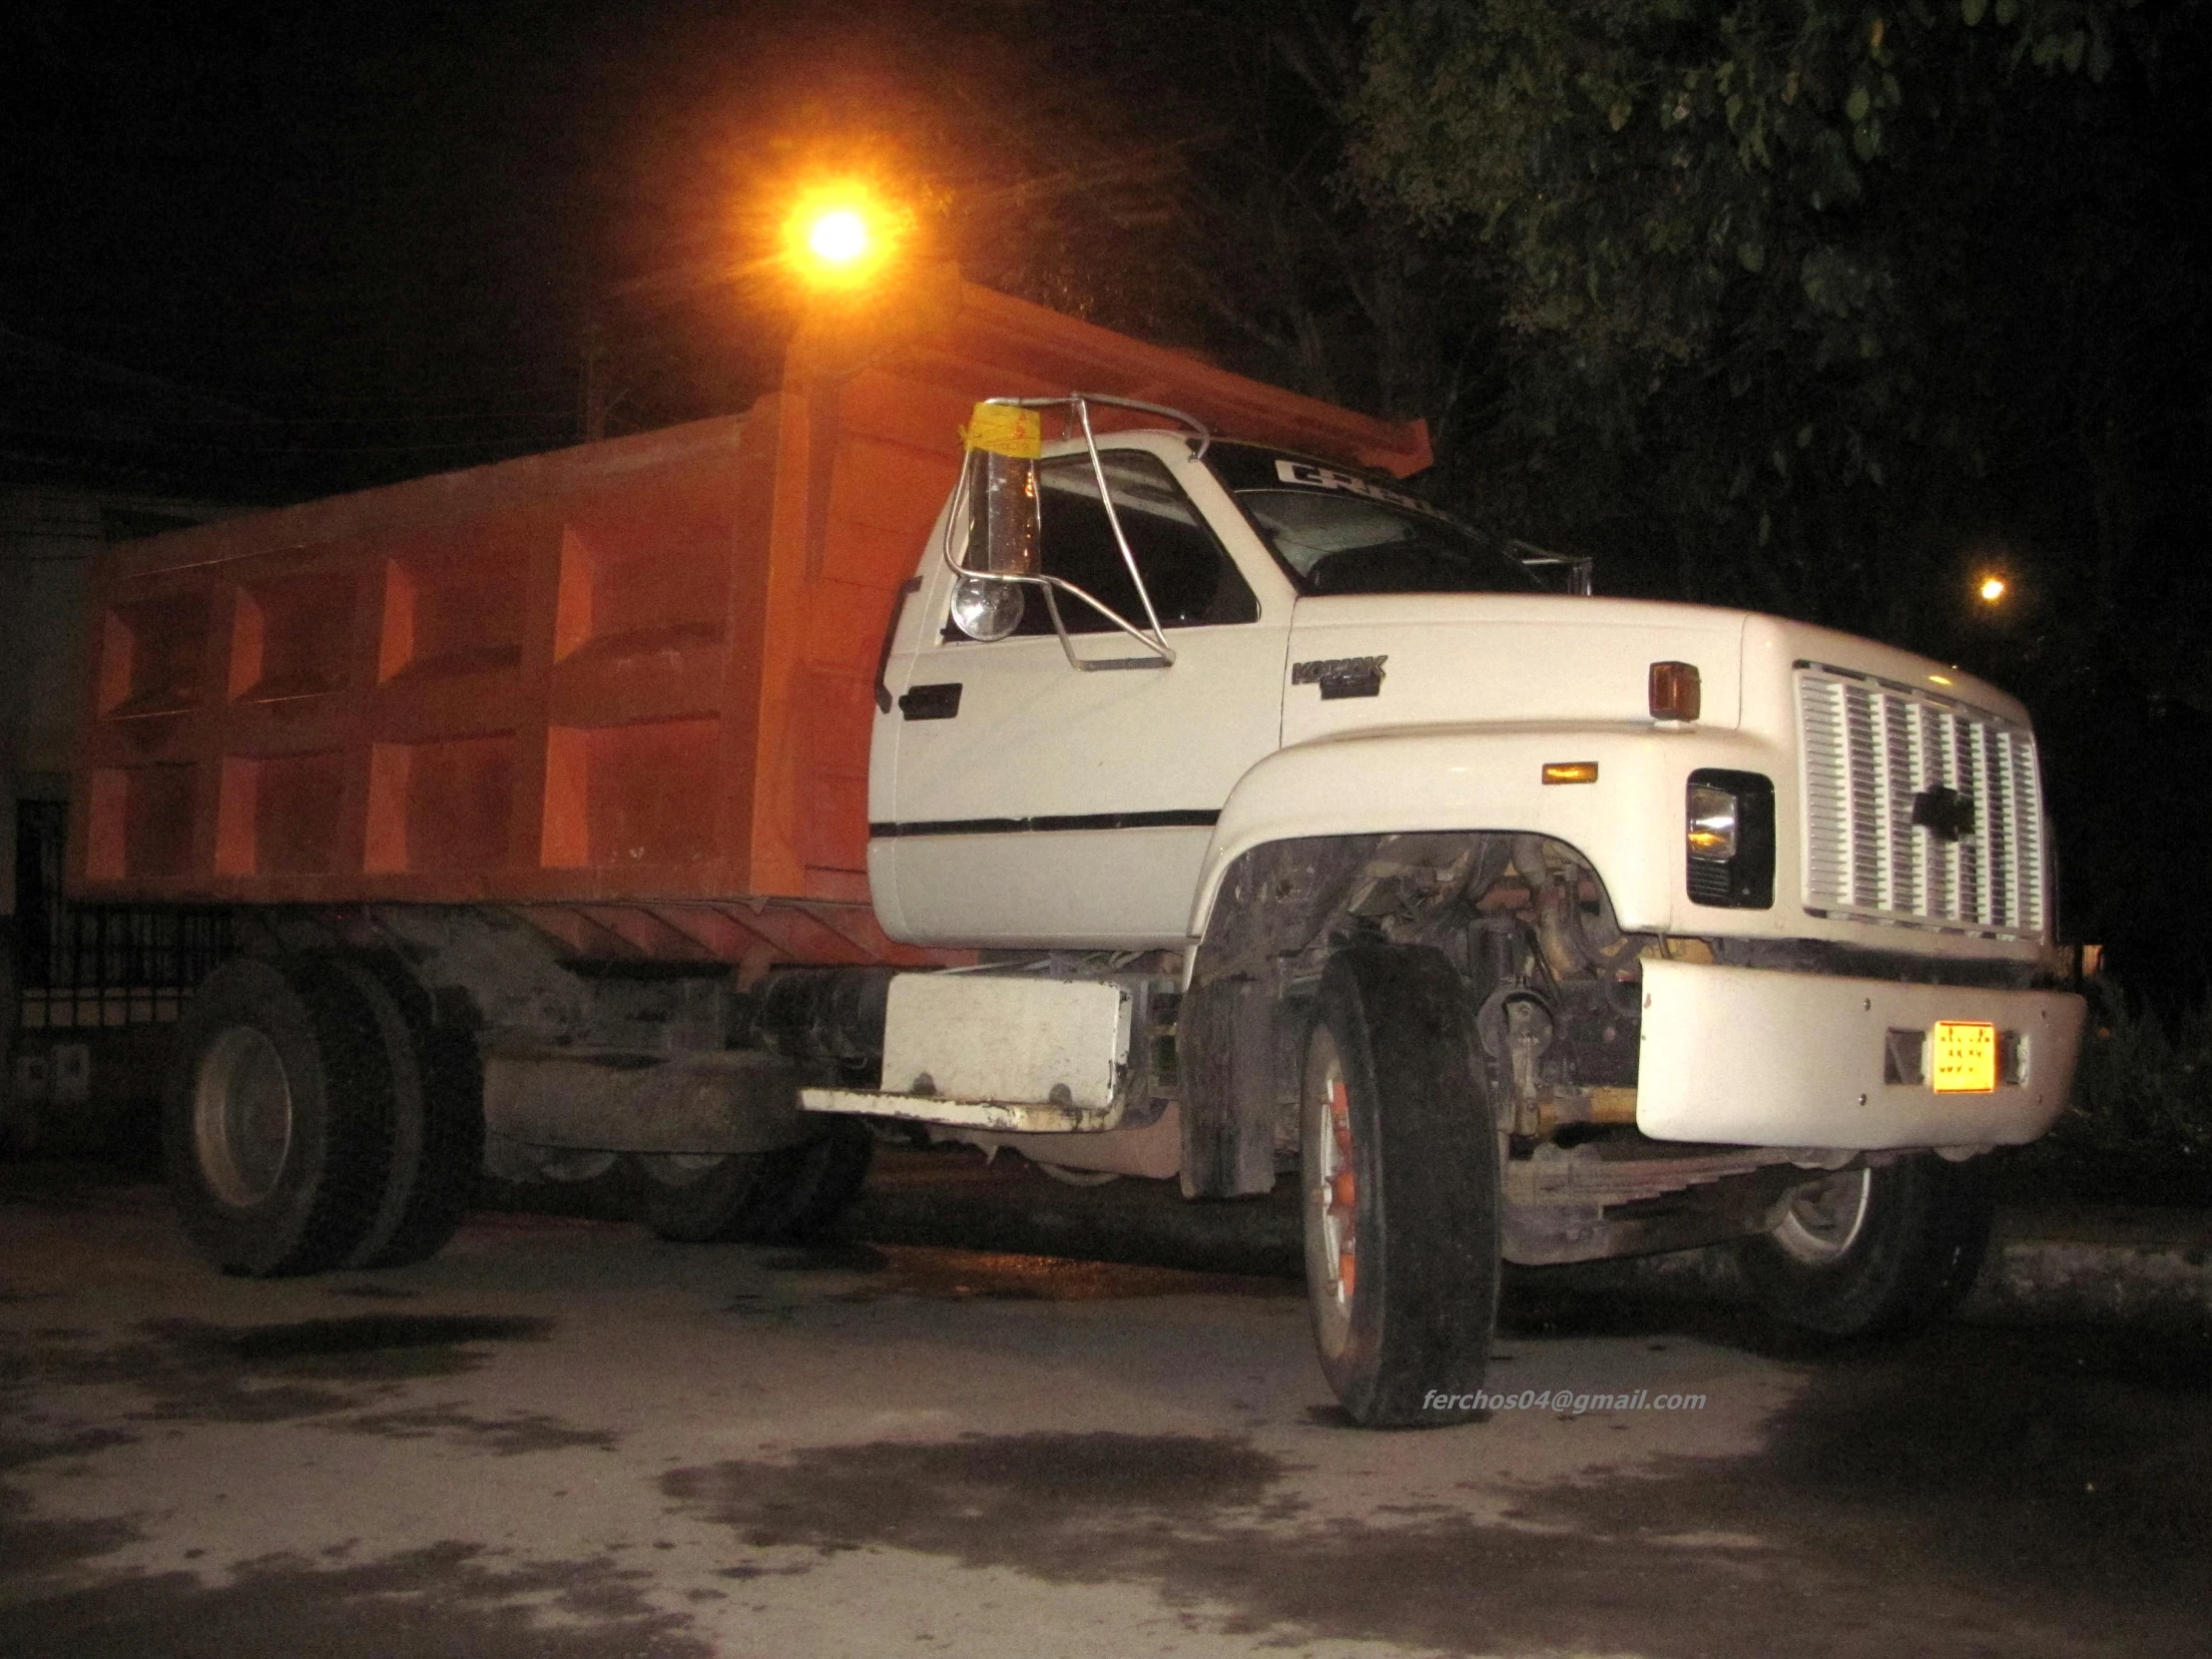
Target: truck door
{"points": [[1034, 802]]}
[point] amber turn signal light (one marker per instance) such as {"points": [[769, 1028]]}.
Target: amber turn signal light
{"points": [[1676, 693], [1570, 771]]}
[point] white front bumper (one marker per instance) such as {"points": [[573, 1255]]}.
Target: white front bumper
{"points": [[1754, 1057]]}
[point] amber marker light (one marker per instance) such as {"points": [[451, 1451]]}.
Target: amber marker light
{"points": [[1676, 691], [1570, 771]]}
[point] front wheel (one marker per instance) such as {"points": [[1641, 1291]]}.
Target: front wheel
{"points": [[1873, 1251], [1400, 1185]]}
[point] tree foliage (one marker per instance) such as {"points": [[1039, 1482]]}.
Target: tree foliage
{"points": [[1758, 251], [1279, 269], [1640, 164], [1820, 305]]}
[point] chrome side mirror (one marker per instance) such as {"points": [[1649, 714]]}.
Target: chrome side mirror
{"points": [[997, 510], [1002, 543]]}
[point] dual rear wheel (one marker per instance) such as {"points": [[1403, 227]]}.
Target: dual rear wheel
{"points": [[316, 1118], [313, 1121]]}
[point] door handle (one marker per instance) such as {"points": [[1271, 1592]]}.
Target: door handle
{"points": [[939, 702], [907, 590]]}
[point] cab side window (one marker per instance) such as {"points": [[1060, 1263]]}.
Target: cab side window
{"points": [[1186, 570]]}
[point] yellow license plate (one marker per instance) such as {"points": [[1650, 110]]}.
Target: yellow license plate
{"points": [[1963, 1056]]}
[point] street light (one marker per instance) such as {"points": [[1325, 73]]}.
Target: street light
{"points": [[838, 238], [838, 235], [1992, 589]]}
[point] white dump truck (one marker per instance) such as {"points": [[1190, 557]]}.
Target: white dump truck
{"points": [[1232, 816]]}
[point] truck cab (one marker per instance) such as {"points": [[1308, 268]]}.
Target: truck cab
{"points": [[1527, 925]]}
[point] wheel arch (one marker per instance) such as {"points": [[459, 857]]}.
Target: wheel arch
{"points": [[1469, 780], [1282, 907]]}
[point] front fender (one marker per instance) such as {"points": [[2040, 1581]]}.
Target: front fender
{"points": [[1628, 822]]}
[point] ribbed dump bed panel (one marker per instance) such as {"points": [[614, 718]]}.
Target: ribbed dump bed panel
{"points": [[524, 681], [1920, 812]]}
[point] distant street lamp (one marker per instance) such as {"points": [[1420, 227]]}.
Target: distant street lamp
{"points": [[1992, 589]]}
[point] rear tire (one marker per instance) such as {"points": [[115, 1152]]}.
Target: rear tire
{"points": [[781, 1197], [437, 1148], [278, 1123], [1400, 1190], [1875, 1250]]}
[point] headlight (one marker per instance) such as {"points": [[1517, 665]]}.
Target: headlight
{"points": [[1727, 831], [1714, 817]]}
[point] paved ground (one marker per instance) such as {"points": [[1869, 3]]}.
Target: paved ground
{"points": [[566, 1439]]}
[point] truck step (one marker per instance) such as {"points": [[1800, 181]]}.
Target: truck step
{"points": [[1006, 1116]]}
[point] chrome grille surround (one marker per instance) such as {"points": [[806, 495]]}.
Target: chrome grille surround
{"points": [[1869, 745]]}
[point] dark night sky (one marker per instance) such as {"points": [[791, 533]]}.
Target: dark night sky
{"points": [[381, 229]]}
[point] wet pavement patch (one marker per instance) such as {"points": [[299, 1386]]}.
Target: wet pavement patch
{"points": [[445, 1601], [363, 1333], [2036, 1493], [507, 1435], [195, 1371], [19, 1452], [1024, 1499], [2038, 1490], [31, 1546]]}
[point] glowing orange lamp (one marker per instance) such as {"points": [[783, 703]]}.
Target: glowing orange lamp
{"points": [[838, 235]]}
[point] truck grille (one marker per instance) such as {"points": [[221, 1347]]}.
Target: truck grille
{"points": [[1878, 757]]}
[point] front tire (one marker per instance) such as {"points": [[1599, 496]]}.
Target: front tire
{"points": [[1873, 1252], [278, 1119], [1400, 1190]]}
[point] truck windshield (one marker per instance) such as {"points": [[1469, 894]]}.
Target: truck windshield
{"points": [[1340, 532]]}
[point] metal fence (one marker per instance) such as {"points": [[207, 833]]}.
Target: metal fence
{"points": [[88, 966]]}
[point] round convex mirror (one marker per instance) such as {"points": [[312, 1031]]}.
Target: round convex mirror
{"points": [[986, 610]]}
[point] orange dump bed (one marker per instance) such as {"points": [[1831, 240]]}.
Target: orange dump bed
{"points": [[639, 673]]}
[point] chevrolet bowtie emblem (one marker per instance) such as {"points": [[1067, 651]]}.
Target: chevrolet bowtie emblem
{"points": [[1943, 813]]}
